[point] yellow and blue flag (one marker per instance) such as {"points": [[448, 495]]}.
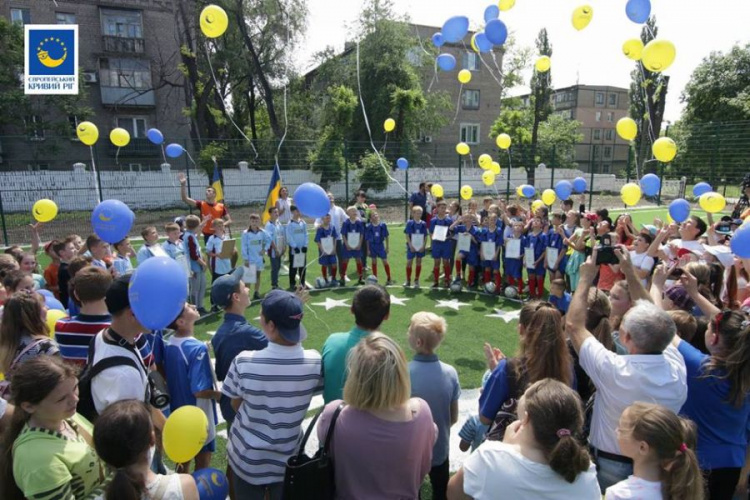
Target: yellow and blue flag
{"points": [[273, 193], [217, 184]]}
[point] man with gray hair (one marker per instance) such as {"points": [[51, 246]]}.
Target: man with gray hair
{"points": [[653, 371]]}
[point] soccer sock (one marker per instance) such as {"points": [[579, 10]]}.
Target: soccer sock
{"points": [[520, 285], [324, 270], [472, 275], [458, 269], [447, 271], [540, 285], [487, 275], [408, 272], [375, 268], [436, 271], [333, 272], [532, 285], [359, 268], [344, 264], [418, 272], [498, 281], [387, 271]]}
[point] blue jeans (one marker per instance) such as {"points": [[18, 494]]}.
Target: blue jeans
{"points": [[610, 472], [247, 491], [275, 268]]}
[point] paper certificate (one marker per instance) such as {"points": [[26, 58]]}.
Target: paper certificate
{"points": [[250, 275], [440, 234], [227, 249], [157, 251], [280, 243], [513, 249], [352, 240], [464, 242], [298, 261], [528, 258], [552, 254], [327, 245], [417, 241], [488, 250]]}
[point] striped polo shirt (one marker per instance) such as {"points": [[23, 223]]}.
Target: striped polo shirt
{"points": [[276, 385]]}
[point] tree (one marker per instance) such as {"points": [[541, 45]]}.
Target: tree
{"points": [[541, 96], [372, 174], [329, 158]]}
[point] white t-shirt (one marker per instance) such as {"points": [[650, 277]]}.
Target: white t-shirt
{"points": [[642, 261], [497, 467], [694, 246], [634, 488], [622, 380], [285, 217], [120, 382]]}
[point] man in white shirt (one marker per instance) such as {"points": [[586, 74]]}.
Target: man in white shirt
{"points": [[653, 371]]}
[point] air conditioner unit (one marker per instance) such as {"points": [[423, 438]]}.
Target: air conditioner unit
{"points": [[427, 139], [90, 77]]}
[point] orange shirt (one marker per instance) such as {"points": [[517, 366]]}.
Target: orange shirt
{"points": [[50, 276], [216, 210]]}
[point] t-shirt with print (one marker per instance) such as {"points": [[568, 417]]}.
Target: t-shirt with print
{"points": [[48, 465], [188, 368], [634, 488], [118, 383]]}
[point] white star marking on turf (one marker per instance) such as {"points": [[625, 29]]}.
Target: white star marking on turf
{"points": [[331, 303], [453, 304], [508, 316], [398, 301]]}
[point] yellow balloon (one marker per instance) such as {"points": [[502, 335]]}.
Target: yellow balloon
{"points": [[519, 191], [389, 125], [466, 192], [437, 191], [214, 21], [633, 49], [537, 205], [549, 197], [485, 161], [543, 64], [185, 433], [44, 210], [631, 194], [53, 316], [87, 133], [664, 149], [474, 42], [712, 202], [464, 76], [506, 4], [495, 168], [119, 137], [462, 148], [488, 178], [503, 141], [582, 16], [658, 55], [627, 128]]}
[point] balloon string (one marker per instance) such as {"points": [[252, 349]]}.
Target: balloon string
{"points": [[385, 144], [117, 156], [286, 87], [458, 103], [93, 171], [190, 158], [492, 74], [163, 155], [369, 131]]}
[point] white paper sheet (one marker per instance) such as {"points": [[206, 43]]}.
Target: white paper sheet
{"points": [[552, 255], [353, 240], [464, 242], [513, 249], [298, 262], [488, 250], [327, 245], [528, 258], [440, 234], [250, 275], [417, 241]]}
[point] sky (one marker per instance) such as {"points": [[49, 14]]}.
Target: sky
{"points": [[592, 56]]}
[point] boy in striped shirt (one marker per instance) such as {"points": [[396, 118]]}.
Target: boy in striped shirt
{"points": [[271, 391]]}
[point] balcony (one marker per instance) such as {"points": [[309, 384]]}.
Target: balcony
{"points": [[122, 96], [124, 45], [139, 147]]}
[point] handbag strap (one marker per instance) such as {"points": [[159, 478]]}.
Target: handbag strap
{"points": [[309, 431], [331, 427], [329, 433], [24, 351]]}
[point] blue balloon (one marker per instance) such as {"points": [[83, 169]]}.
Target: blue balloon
{"points": [[580, 185], [702, 188], [437, 39], [650, 184], [402, 163], [563, 190], [45, 293], [154, 135], [528, 191], [446, 62], [112, 220], [496, 32], [212, 484], [679, 210], [638, 10], [482, 43], [491, 12], [158, 291], [740, 243], [311, 200], [174, 150], [53, 303], [455, 29]]}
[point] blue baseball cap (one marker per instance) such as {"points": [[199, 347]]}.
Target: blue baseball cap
{"points": [[223, 288], [286, 311]]}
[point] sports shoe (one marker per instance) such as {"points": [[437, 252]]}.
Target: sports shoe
{"points": [[360, 281], [436, 285], [416, 283], [342, 283], [407, 284], [390, 283]]}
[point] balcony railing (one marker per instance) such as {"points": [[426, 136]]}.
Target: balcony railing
{"points": [[124, 45], [122, 96]]}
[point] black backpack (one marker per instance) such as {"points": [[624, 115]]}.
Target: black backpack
{"points": [[86, 405]]}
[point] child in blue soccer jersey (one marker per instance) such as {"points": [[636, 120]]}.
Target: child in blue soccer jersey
{"points": [[296, 238], [218, 266], [534, 250], [493, 234], [416, 226], [556, 249], [275, 231], [325, 237], [513, 256], [255, 244], [466, 224], [190, 379], [441, 243], [376, 236], [192, 248], [353, 236]]}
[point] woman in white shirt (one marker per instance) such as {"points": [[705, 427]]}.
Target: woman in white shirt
{"points": [[540, 456]]}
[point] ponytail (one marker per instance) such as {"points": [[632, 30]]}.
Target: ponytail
{"points": [[125, 486], [569, 458], [682, 474], [733, 361]]}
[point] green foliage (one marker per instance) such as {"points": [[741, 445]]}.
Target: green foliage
{"points": [[212, 149], [371, 173], [328, 158], [560, 135]]}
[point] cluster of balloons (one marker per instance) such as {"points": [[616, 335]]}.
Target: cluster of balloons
{"points": [[488, 177], [88, 134], [44, 210], [526, 191], [112, 220], [158, 291], [456, 28], [311, 200], [213, 21]]}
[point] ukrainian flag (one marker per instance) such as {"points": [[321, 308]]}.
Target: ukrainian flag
{"points": [[273, 193], [217, 184]]}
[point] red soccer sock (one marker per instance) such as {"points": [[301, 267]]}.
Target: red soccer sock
{"points": [[540, 285], [324, 270], [487, 275], [498, 281], [520, 285], [419, 271], [472, 276], [458, 269], [333, 272], [447, 271], [344, 265], [359, 268], [436, 272], [408, 272], [532, 286], [375, 268], [387, 271]]}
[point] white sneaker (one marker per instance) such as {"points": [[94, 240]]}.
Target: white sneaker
{"points": [[416, 283]]}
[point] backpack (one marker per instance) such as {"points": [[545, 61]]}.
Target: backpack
{"points": [[506, 415], [86, 406]]}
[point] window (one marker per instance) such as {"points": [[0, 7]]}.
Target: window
{"points": [[470, 133], [608, 151], [122, 23], [597, 134], [20, 16], [610, 134], [471, 99], [600, 98], [35, 127], [610, 117], [470, 61], [125, 73], [597, 151], [135, 126], [65, 18], [613, 100], [606, 168], [598, 116]]}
